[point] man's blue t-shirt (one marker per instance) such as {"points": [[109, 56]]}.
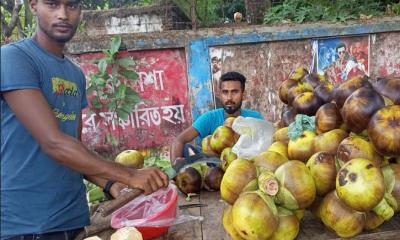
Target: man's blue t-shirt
{"points": [[209, 121], [38, 194]]}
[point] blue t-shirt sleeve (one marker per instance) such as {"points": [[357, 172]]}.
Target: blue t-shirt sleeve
{"points": [[252, 113], [202, 125], [258, 115], [18, 70]]}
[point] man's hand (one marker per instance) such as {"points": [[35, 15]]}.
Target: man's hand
{"points": [[116, 189], [148, 179]]}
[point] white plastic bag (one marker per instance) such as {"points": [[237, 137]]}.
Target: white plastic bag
{"points": [[255, 136]]}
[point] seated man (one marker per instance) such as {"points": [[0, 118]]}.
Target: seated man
{"points": [[232, 85]]}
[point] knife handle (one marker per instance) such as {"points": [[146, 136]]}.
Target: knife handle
{"points": [[120, 201]]}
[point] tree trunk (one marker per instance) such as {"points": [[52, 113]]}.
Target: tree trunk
{"points": [[255, 10], [8, 27], [193, 15], [28, 14]]}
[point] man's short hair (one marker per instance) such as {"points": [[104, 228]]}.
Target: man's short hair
{"points": [[340, 45], [233, 76]]}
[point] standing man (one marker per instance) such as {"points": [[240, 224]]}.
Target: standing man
{"points": [[232, 86], [42, 160], [345, 67]]}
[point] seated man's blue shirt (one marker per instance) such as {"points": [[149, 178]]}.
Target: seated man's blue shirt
{"points": [[38, 194], [209, 121]]}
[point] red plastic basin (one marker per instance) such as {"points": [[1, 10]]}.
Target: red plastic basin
{"points": [[137, 212]]}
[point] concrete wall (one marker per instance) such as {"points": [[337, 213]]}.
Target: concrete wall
{"points": [[134, 20], [265, 54]]}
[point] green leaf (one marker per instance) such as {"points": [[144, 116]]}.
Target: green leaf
{"points": [[113, 140], [129, 74], [131, 96], [103, 75], [90, 89], [114, 70], [125, 62], [160, 162], [120, 91], [149, 162], [111, 105], [102, 65], [122, 114], [99, 82], [127, 107], [96, 103], [115, 44]]}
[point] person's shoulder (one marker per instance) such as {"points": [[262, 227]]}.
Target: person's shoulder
{"points": [[16, 51], [213, 112], [14, 47], [251, 113]]}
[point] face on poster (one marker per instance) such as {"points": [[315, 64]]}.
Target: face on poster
{"points": [[216, 70], [343, 58]]}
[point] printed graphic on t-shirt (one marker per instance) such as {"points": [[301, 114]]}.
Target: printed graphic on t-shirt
{"points": [[64, 116], [64, 87]]}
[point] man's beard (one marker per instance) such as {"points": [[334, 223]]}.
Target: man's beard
{"points": [[60, 39], [233, 108]]}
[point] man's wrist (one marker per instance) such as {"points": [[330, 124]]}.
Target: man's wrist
{"points": [[107, 188]]}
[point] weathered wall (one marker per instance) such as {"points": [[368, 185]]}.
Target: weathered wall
{"points": [[265, 54], [134, 20], [385, 54], [163, 112]]}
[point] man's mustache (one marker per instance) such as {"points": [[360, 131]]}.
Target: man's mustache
{"points": [[229, 103], [62, 24]]}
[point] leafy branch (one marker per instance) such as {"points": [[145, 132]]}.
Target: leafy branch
{"points": [[299, 11], [111, 85]]}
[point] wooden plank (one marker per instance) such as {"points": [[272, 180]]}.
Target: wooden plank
{"points": [[212, 225], [96, 218], [312, 228], [386, 235]]}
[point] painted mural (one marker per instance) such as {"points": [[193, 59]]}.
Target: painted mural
{"points": [[342, 58], [164, 111]]}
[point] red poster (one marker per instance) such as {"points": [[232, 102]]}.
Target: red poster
{"points": [[163, 113]]}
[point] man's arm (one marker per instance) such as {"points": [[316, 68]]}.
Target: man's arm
{"points": [[116, 187], [186, 136], [32, 109]]}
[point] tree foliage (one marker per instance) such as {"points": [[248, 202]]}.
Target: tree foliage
{"points": [[17, 21], [326, 10], [100, 4], [212, 11], [111, 88]]}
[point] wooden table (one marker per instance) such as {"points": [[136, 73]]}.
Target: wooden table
{"points": [[211, 227]]}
